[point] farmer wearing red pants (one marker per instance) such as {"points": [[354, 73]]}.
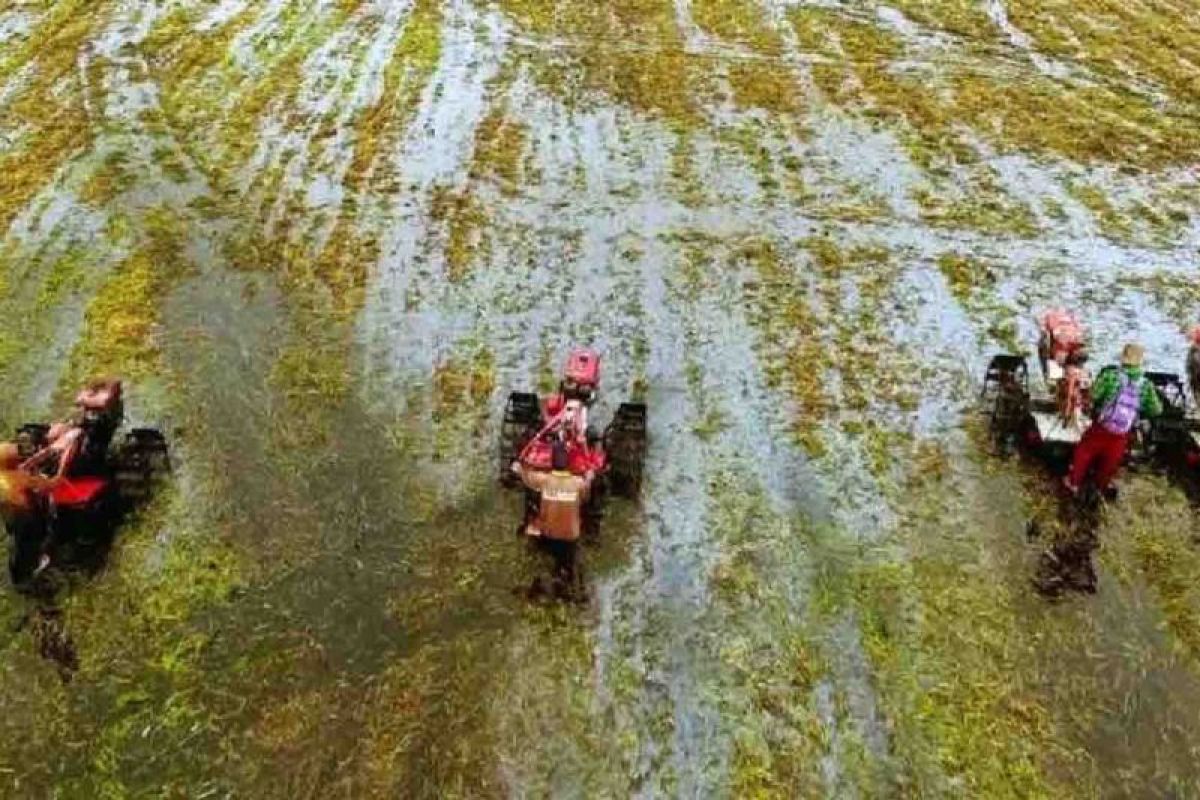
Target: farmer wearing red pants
{"points": [[1120, 396]]}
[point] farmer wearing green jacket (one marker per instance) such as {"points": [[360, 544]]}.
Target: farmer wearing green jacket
{"points": [[1120, 396]]}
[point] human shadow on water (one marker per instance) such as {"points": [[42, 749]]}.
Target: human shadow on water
{"points": [[77, 546]]}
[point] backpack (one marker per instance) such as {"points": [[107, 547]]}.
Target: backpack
{"points": [[1120, 414]]}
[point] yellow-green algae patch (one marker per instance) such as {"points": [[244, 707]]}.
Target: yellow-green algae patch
{"points": [[121, 322], [947, 635], [464, 218], [51, 103], [1125, 42], [770, 660], [658, 78], [1031, 112], [500, 143], [404, 78], [1159, 547]]}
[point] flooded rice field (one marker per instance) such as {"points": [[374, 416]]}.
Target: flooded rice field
{"points": [[321, 240]]}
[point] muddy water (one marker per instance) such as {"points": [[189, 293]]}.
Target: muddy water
{"points": [[824, 588]]}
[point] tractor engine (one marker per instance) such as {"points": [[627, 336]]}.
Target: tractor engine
{"points": [[532, 425], [581, 377]]}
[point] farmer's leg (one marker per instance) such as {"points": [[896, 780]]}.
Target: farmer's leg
{"points": [[1086, 453], [1111, 454], [565, 576], [562, 560]]}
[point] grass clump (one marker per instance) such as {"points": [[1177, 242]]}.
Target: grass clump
{"points": [[1158, 546], [463, 385], [189, 62], [764, 85], [311, 375], [1112, 223], [770, 665], [657, 79], [685, 181], [120, 326], [972, 282], [795, 358], [965, 275], [66, 275], [464, 218], [164, 570], [736, 21], [343, 268], [1124, 43], [947, 651], [1027, 112], [984, 208], [1176, 293], [946, 627], [50, 103], [465, 382], [111, 179], [961, 17]]}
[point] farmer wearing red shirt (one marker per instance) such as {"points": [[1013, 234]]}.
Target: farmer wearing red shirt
{"points": [[1120, 397]]}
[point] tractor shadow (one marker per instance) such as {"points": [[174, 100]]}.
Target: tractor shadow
{"points": [[82, 552]]}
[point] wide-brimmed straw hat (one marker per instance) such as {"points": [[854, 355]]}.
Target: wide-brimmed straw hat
{"points": [[1132, 355]]}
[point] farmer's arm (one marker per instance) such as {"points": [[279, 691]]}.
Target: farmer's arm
{"points": [[74, 445], [1105, 388], [37, 459]]}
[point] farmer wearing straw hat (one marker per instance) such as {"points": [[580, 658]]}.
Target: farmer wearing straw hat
{"points": [[1120, 397]]}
